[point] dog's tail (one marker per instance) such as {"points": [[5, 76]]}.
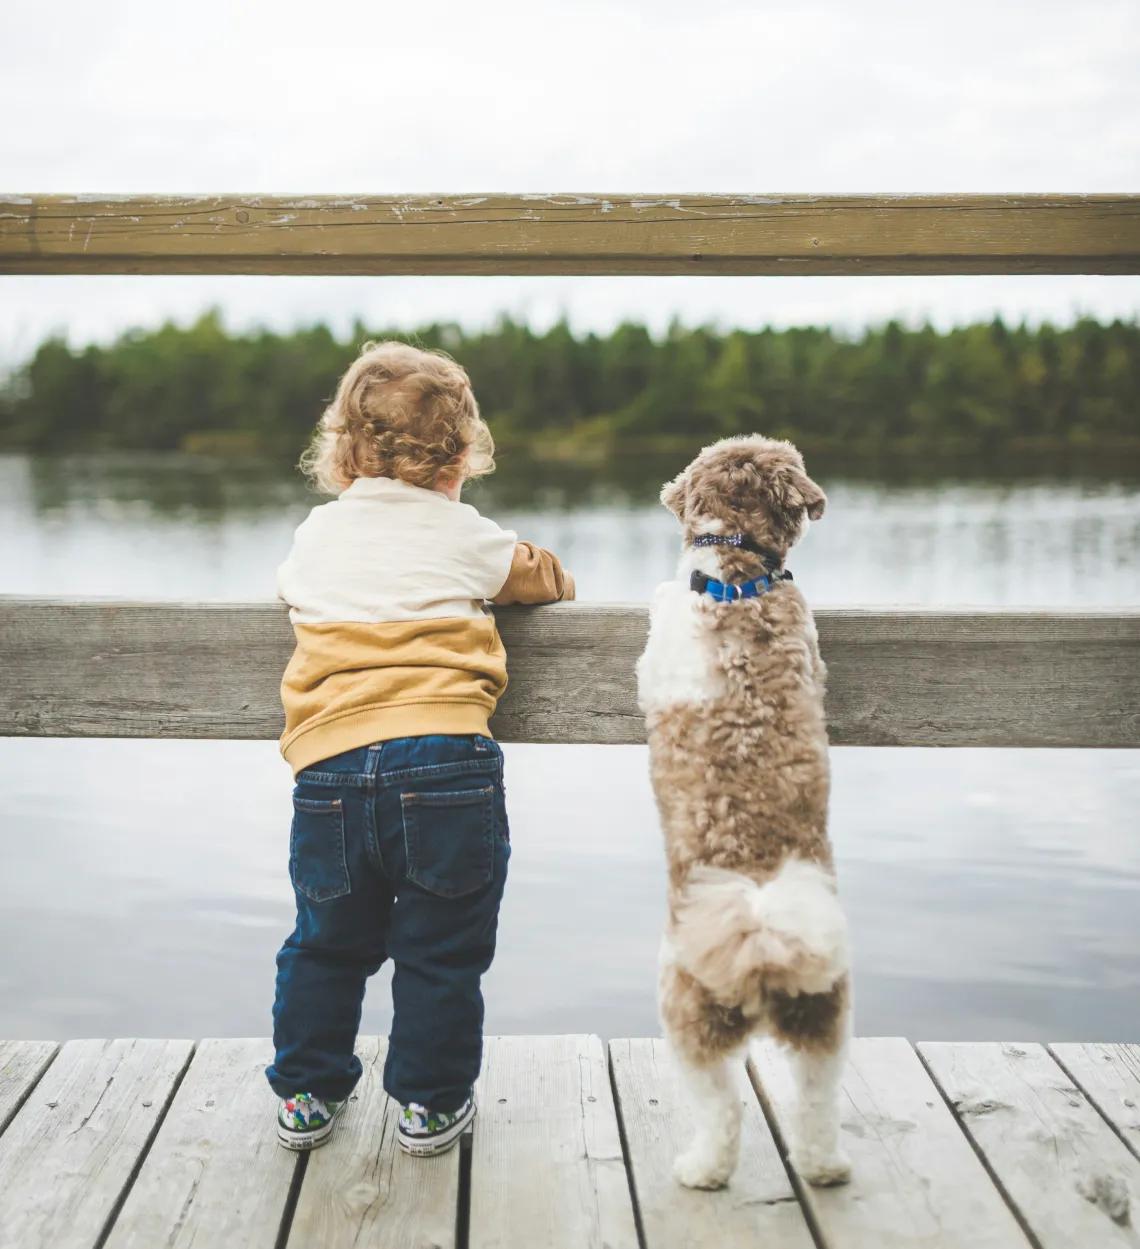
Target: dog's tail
{"points": [[734, 935]]}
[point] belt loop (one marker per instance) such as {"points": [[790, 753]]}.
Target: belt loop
{"points": [[372, 763]]}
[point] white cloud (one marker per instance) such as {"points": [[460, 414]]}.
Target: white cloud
{"points": [[633, 95]]}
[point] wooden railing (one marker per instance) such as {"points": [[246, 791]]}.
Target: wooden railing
{"points": [[896, 677], [578, 234]]}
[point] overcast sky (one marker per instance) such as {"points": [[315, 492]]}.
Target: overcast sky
{"points": [[630, 95]]}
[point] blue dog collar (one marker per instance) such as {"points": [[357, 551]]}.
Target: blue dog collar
{"points": [[727, 592]]}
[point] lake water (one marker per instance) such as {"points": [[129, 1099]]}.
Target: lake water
{"points": [[992, 893]]}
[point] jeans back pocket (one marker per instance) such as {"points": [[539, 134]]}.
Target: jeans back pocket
{"points": [[449, 839], [317, 863]]}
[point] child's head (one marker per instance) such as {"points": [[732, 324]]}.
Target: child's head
{"points": [[404, 413]]}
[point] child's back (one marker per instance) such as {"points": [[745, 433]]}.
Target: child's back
{"points": [[400, 842]]}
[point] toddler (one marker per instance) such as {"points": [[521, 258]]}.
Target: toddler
{"points": [[399, 843]]}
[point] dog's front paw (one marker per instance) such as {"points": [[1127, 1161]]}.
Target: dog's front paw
{"points": [[822, 1168], [703, 1166]]}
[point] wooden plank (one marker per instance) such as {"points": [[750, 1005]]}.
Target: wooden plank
{"points": [[916, 1183], [546, 1160], [758, 1208], [896, 678], [982, 678], [21, 1065], [363, 1190], [69, 1155], [584, 234], [1063, 1168], [1109, 1076], [149, 670], [215, 1173]]}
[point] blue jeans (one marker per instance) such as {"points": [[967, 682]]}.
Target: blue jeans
{"points": [[398, 850]]}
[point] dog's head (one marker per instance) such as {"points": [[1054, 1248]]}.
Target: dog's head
{"points": [[749, 485]]}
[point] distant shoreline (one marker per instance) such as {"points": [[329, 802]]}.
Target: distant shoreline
{"points": [[646, 461], [549, 446], [894, 394]]}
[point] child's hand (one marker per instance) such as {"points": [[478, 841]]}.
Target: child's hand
{"points": [[536, 576]]}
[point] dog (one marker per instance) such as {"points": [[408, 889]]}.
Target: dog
{"points": [[731, 683]]}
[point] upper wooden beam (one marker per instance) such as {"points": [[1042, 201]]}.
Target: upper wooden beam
{"points": [[571, 234], [896, 678]]}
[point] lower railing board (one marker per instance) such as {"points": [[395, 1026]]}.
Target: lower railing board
{"points": [[547, 1170], [69, 1154], [1066, 1171], [896, 677], [363, 1190], [758, 1208], [916, 1183], [1109, 1076], [215, 1174], [21, 1065]]}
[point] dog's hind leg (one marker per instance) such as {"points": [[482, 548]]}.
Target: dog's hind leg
{"points": [[711, 1157], [816, 1153], [702, 1037], [816, 1028]]}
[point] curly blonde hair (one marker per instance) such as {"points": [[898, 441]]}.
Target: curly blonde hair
{"points": [[404, 413]]}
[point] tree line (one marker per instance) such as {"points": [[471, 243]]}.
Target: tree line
{"points": [[982, 385]]}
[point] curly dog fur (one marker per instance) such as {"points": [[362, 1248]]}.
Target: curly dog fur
{"points": [[756, 942]]}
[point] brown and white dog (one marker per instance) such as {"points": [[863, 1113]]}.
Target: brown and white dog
{"points": [[756, 942]]}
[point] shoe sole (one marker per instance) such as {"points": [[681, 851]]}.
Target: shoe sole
{"points": [[439, 1143], [301, 1142]]}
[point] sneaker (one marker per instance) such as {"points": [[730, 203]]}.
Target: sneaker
{"points": [[305, 1121], [426, 1132]]}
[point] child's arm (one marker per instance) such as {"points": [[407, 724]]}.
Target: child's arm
{"points": [[536, 576]]}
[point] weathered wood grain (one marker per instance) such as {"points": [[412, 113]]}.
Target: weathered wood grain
{"points": [[1066, 1171], [758, 1208], [21, 1065], [363, 1190], [982, 678], [69, 1154], [72, 669], [215, 1173], [896, 678], [1109, 1076], [546, 1161], [916, 1183], [582, 234]]}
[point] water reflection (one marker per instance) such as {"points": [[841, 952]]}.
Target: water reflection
{"points": [[992, 893], [179, 527]]}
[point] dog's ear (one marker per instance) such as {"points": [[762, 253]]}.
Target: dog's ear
{"points": [[674, 493], [801, 491], [791, 490]]}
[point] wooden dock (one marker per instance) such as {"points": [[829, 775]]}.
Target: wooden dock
{"points": [[152, 1144], [142, 1144]]}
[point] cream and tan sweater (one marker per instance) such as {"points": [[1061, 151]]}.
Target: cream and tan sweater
{"points": [[386, 588]]}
